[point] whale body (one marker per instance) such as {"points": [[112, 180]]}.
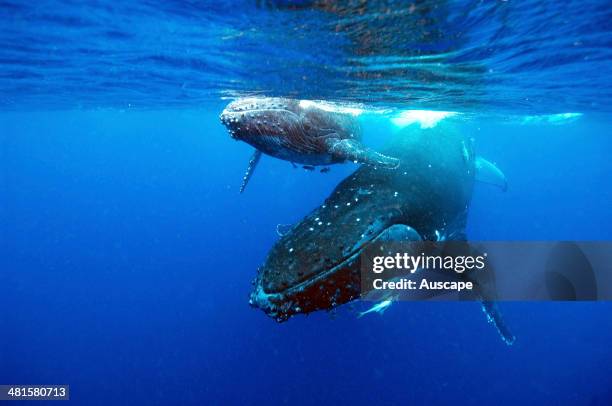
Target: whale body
{"points": [[299, 131], [316, 264]]}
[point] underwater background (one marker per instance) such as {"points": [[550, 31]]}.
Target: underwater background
{"points": [[127, 253]]}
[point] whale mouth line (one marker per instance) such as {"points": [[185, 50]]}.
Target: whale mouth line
{"points": [[355, 252]]}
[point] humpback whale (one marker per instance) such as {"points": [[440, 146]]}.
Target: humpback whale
{"points": [[299, 131], [316, 264]]}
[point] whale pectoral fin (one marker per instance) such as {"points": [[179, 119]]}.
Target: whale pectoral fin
{"points": [[488, 172], [485, 287], [351, 150], [490, 309], [250, 169]]}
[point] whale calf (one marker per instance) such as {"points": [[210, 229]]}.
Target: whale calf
{"points": [[316, 264], [299, 131]]}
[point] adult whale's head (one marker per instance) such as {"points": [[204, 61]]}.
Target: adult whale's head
{"points": [[316, 264]]}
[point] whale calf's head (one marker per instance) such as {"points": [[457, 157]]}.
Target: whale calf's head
{"points": [[252, 117], [271, 124]]}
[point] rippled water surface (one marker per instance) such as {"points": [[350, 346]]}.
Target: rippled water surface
{"points": [[494, 56]]}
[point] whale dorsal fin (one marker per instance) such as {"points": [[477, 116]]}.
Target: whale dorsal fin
{"points": [[488, 172], [351, 150], [250, 169]]}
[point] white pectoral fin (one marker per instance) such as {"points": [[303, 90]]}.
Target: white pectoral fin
{"points": [[250, 169], [488, 172], [379, 308]]}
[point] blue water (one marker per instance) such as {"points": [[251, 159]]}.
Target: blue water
{"points": [[127, 253]]}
